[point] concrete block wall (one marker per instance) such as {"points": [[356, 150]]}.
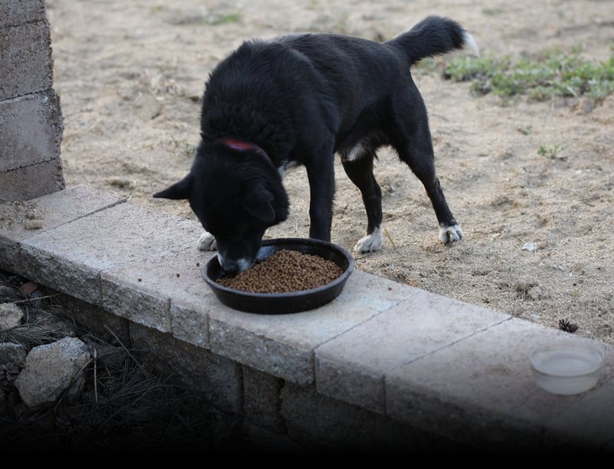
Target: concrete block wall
{"points": [[382, 367], [31, 121]]}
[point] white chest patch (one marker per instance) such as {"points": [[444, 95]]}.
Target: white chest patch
{"points": [[355, 152]]}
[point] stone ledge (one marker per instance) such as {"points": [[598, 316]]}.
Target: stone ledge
{"points": [[411, 357], [26, 11]]}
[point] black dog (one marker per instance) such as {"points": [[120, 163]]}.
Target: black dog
{"points": [[299, 99]]}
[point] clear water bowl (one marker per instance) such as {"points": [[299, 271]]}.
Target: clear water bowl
{"points": [[567, 368]]}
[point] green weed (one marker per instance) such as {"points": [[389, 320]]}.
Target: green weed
{"points": [[543, 77], [525, 129], [225, 18], [550, 151]]}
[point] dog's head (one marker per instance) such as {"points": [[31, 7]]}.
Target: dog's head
{"points": [[236, 195]]}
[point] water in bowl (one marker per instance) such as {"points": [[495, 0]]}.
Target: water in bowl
{"points": [[567, 371]]}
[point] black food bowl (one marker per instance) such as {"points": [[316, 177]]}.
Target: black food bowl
{"points": [[290, 302]]}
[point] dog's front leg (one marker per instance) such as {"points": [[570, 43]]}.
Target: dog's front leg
{"points": [[206, 242], [322, 190]]}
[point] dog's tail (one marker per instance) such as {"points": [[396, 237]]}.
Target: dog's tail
{"points": [[432, 36]]}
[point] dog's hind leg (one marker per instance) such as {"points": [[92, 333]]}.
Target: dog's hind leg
{"points": [[360, 172], [415, 148]]}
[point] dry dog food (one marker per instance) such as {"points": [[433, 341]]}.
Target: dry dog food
{"points": [[285, 271]]}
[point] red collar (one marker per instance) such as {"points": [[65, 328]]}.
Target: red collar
{"points": [[241, 145]]}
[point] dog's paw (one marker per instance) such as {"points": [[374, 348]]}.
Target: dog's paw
{"points": [[370, 243], [449, 234], [206, 242]]}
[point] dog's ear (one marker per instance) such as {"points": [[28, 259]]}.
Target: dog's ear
{"points": [[259, 204], [179, 190]]}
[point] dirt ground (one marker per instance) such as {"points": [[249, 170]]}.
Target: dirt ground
{"points": [[537, 230]]}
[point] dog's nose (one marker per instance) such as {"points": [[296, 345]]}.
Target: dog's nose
{"points": [[232, 267], [229, 267]]}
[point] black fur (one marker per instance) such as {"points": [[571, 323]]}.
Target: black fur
{"points": [[302, 98]]}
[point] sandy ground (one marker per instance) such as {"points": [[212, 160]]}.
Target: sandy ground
{"points": [[131, 74]]}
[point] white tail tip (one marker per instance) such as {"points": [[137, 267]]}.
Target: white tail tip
{"points": [[470, 44]]}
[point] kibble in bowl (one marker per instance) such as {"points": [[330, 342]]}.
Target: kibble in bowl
{"points": [[290, 275]]}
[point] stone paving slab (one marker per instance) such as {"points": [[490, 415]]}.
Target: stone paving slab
{"points": [[482, 388], [219, 378], [71, 257], [352, 366], [167, 294], [52, 211], [283, 344], [61, 207]]}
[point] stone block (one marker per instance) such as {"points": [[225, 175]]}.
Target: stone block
{"points": [[480, 388], [263, 441], [30, 130], [352, 366], [261, 399], [327, 423], [216, 377], [14, 13], [25, 54], [167, 294], [283, 345], [71, 257], [589, 422], [32, 181], [103, 324]]}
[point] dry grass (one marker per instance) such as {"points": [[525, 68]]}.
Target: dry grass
{"points": [[125, 403]]}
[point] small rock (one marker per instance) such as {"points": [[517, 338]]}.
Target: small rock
{"points": [[10, 315], [585, 105], [50, 370], [12, 353], [8, 374], [504, 154], [578, 268], [121, 183], [28, 288], [531, 247], [523, 288], [33, 225], [535, 293], [501, 200], [9, 294]]}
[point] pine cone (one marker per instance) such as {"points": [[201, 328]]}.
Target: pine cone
{"points": [[567, 326]]}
